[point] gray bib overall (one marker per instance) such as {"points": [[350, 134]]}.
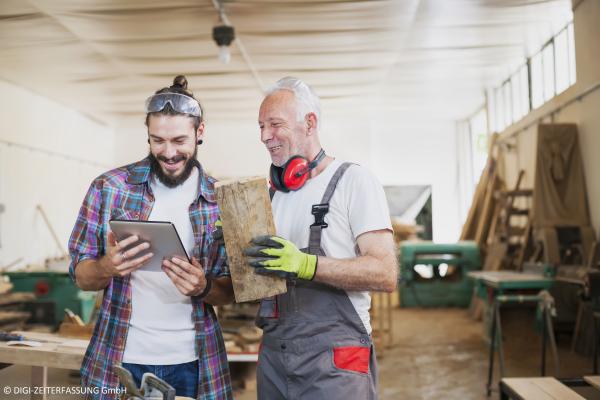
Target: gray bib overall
{"points": [[315, 345]]}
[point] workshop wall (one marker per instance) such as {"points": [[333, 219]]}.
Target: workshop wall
{"points": [[583, 112], [229, 149], [397, 152], [422, 153], [49, 154]]}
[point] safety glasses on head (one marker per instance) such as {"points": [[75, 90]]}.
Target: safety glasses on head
{"points": [[179, 102]]}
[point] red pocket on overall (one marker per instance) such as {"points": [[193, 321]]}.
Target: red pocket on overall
{"points": [[352, 358]]}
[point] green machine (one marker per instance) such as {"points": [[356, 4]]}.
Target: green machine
{"points": [[54, 292], [435, 275]]}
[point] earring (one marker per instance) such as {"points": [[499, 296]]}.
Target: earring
{"points": [[200, 141]]}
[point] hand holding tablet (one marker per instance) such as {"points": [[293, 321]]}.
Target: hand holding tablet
{"points": [[125, 256], [138, 239]]}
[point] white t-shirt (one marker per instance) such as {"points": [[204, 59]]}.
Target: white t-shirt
{"points": [[161, 330], [358, 205]]}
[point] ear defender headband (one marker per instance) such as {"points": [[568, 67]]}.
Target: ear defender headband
{"points": [[294, 173]]}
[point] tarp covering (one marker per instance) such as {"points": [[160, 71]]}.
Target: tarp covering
{"points": [[559, 196], [102, 57]]}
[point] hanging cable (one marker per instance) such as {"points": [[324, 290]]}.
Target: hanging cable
{"points": [[238, 42]]}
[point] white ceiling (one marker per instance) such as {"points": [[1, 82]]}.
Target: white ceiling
{"points": [[411, 58]]}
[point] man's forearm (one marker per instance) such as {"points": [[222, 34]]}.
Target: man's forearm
{"points": [[375, 269], [221, 292], [89, 276], [360, 273]]}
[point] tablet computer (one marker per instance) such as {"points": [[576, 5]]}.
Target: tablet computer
{"points": [[162, 236]]}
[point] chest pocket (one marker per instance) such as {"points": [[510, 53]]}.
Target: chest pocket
{"points": [[119, 213]]}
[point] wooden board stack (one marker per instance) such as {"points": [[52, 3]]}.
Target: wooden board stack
{"points": [[12, 314]]}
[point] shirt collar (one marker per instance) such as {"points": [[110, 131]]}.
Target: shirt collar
{"points": [[139, 173]]}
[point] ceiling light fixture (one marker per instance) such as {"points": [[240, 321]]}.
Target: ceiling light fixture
{"points": [[240, 46], [223, 35]]}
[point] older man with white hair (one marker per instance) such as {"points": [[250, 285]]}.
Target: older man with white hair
{"points": [[333, 245]]}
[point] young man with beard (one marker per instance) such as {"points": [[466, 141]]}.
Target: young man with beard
{"points": [[334, 244], [161, 322]]}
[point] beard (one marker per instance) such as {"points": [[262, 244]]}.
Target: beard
{"points": [[169, 180]]}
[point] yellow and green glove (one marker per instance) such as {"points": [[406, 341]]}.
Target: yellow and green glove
{"points": [[272, 255]]}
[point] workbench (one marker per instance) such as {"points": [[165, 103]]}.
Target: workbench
{"points": [[63, 353], [509, 287], [502, 281], [55, 352], [548, 388], [491, 284]]}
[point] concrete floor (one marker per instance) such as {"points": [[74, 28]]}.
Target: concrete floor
{"points": [[438, 353]]}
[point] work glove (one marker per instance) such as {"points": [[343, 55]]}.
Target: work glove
{"points": [[272, 255]]}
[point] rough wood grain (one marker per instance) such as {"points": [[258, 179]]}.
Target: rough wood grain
{"points": [[246, 212]]}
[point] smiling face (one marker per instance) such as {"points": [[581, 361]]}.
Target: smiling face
{"points": [[173, 147], [280, 130]]}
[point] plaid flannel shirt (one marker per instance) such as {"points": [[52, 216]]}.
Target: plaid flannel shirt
{"points": [[124, 193]]}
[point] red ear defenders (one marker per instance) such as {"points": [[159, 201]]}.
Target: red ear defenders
{"points": [[294, 173]]}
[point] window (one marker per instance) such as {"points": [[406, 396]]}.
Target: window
{"points": [[545, 74], [478, 131], [548, 74], [537, 81], [499, 102], [506, 96], [571, 47], [515, 83], [524, 95], [561, 61]]}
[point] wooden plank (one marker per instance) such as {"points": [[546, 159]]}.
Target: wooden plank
{"points": [[46, 355], [520, 192], [468, 230], [7, 317], [494, 257], [5, 287], [498, 277], [494, 227], [470, 225], [557, 389], [16, 297], [545, 388], [61, 341], [593, 380], [484, 222], [520, 257], [526, 389], [246, 212]]}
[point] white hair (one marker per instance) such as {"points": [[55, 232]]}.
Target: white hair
{"points": [[307, 100]]}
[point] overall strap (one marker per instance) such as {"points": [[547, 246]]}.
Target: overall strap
{"points": [[320, 210]]}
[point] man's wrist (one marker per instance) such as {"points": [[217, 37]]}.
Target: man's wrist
{"points": [[315, 270], [206, 289], [104, 273]]}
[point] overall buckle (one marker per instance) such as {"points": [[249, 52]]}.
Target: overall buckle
{"points": [[319, 211]]}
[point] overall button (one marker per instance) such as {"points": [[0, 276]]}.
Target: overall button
{"points": [[283, 346], [363, 341]]}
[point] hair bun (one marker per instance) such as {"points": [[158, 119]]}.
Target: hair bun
{"points": [[180, 81]]}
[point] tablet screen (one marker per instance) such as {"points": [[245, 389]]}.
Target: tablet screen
{"points": [[162, 236]]}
